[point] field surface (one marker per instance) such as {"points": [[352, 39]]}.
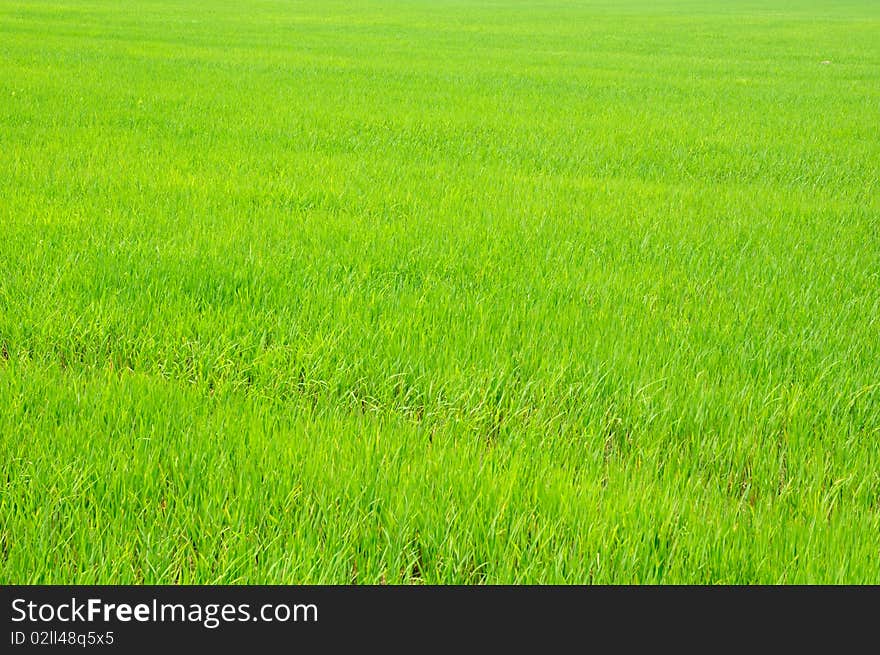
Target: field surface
{"points": [[439, 292]]}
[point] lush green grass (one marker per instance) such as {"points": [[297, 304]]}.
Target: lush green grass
{"points": [[439, 292]]}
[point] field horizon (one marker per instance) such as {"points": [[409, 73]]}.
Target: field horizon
{"points": [[415, 292]]}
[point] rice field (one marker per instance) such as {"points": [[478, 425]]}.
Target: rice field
{"points": [[439, 291]]}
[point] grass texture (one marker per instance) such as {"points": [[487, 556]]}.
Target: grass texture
{"points": [[439, 292]]}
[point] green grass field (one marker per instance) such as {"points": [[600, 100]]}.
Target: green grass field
{"points": [[439, 292]]}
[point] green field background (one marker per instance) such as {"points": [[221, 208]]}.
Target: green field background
{"points": [[439, 292]]}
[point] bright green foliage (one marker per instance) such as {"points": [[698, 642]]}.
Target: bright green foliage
{"points": [[440, 292]]}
